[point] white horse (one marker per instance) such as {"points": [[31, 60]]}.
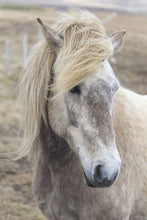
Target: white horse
{"points": [[75, 117]]}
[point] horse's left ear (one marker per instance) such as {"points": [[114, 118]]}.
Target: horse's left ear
{"points": [[49, 35], [117, 39]]}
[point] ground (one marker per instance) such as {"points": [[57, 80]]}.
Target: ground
{"points": [[130, 66]]}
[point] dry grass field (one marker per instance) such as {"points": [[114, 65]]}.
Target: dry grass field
{"points": [[16, 200]]}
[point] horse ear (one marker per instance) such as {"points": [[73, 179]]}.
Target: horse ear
{"points": [[48, 33], [117, 39]]}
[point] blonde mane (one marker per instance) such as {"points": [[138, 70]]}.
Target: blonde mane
{"points": [[84, 48]]}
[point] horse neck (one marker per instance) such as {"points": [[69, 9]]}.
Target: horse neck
{"points": [[56, 150]]}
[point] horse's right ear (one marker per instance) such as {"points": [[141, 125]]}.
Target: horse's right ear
{"points": [[117, 39], [48, 33]]}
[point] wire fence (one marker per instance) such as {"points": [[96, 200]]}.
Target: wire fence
{"points": [[24, 47], [25, 44]]}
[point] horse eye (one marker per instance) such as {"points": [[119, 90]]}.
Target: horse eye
{"points": [[76, 90]]}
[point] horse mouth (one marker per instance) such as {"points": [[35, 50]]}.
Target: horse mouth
{"points": [[96, 184], [87, 181]]}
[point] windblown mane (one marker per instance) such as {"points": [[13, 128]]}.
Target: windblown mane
{"points": [[85, 46]]}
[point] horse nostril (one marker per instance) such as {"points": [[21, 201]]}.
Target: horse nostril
{"points": [[98, 173]]}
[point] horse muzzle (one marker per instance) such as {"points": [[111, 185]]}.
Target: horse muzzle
{"points": [[100, 177]]}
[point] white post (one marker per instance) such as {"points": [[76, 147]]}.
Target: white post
{"points": [[25, 46], [7, 57], [40, 36], [108, 18]]}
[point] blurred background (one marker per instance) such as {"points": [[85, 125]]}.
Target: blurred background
{"points": [[19, 31]]}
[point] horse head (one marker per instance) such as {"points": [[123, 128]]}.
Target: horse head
{"points": [[72, 62]]}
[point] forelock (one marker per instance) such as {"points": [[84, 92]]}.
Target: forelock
{"points": [[84, 49]]}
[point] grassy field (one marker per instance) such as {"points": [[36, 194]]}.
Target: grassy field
{"points": [[16, 200]]}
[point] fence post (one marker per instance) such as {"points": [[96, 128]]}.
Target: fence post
{"points": [[7, 56], [40, 36], [108, 18], [25, 46]]}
